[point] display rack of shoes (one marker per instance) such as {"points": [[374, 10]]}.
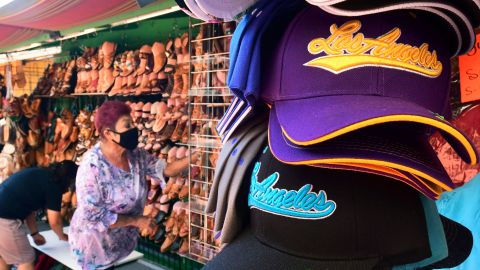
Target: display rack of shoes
{"points": [[177, 91], [209, 97], [104, 71]]}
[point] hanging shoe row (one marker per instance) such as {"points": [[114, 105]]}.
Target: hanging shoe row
{"points": [[156, 69]]}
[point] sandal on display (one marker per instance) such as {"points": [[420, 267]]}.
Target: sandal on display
{"points": [[108, 80], [108, 52], [145, 55], [169, 241], [159, 57], [171, 58]]}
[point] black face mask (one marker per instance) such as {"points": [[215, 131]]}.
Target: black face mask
{"points": [[128, 139]]}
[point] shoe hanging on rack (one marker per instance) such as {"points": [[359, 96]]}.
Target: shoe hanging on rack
{"points": [[176, 188], [153, 83], [171, 57], [185, 67], [144, 70], [179, 130], [183, 194], [169, 185], [162, 85], [173, 216], [119, 63], [144, 87], [82, 75], [68, 78], [159, 57], [117, 87], [94, 73], [101, 79], [145, 52], [195, 191], [60, 70], [100, 57], [108, 52], [128, 67], [168, 130], [89, 54], [177, 75], [131, 81], [167, 244], [160, 117], [181, 218]]}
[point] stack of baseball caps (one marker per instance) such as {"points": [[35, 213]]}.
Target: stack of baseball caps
{"points": [[367, 90], [357, 85], [462, 16]]}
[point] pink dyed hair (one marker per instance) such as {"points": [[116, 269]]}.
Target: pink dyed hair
{"points": [[109, 113]]}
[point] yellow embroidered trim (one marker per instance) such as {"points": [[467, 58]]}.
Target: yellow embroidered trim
{"points": [[363, 161], [401, 177], [346, 49], [393, 118]]}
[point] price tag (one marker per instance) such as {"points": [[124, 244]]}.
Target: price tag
{"points": [[470, 74]]}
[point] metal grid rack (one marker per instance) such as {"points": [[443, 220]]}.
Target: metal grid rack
{"points": [[209, 98], [32, 71]]}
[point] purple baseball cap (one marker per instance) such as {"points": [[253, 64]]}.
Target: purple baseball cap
{"points": [[331, 75], [384, 149]]}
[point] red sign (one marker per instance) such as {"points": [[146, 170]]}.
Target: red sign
{"points": [[470, 74]]}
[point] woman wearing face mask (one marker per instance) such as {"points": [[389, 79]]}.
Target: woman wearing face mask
{"points": [[112, 189]]}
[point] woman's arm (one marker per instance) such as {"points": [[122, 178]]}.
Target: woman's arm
{"points": [[159, 169], [141, 222], [177, 166]]}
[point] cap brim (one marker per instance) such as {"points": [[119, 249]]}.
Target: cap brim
{"points": [[197, 11], [185, 9], [225, 9], [470, 8], [378, 146], [256, 255], [459, 243], [327, 117], [404, 177], [463, 15]]}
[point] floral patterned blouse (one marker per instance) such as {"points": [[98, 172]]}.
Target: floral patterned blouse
{"points": [[105, 191]]}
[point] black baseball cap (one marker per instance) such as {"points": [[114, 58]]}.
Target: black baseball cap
{"points": [[303, 217], [459, 243]]}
